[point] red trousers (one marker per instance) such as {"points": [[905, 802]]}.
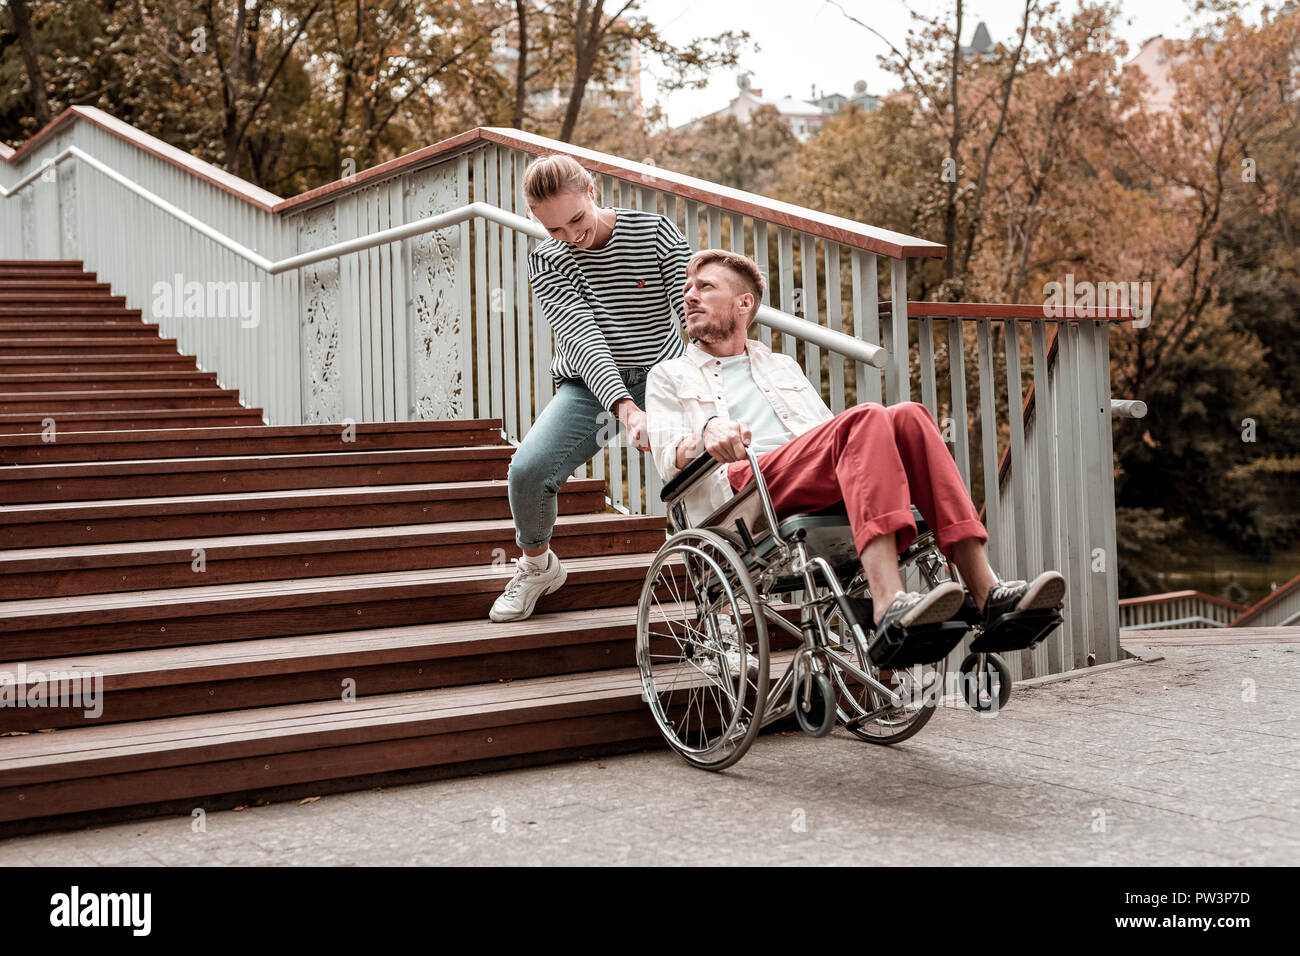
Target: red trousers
{"points": [[879, 460]]}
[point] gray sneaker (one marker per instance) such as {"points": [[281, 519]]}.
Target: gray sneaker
{"points": [[910, 609]]}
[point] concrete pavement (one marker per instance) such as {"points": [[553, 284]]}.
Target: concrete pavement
{"points": [[1193, 759]]}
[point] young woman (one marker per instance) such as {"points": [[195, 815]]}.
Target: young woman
{"points": [[610, 284]]}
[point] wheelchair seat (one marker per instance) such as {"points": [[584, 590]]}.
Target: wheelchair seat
{"points": [[827, 534]]}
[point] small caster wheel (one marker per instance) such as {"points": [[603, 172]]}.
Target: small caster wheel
{"points": [[819, 717], [985, 682]]}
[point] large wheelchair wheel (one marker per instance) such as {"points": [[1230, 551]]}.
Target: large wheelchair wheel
{"points": [[920, 686], [702, 649]]}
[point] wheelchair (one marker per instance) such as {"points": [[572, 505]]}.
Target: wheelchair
{"points": [[743, 593]]}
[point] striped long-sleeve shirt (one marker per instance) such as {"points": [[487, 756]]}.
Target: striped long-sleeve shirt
{"points": [[619, 306]]}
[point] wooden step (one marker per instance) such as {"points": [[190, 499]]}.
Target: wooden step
{"points": [[145, 762], [136, 620], [24, 424], [148, 478], [63, 311], [265, 512], [103, 381], [80, 284], [40, 572], [41, 264], [146, 685], [60, 294], [56, 403], [71, 364], [115, 328], [124, 318], [86, 346], [168, 682], [44, 271], [258, 439]]}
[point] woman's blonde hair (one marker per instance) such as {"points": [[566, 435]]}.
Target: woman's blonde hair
{"points": [[549, 176]]}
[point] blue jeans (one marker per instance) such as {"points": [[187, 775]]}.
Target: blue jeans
{"points": [[570, 431]]}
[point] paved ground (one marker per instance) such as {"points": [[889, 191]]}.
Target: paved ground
{"points": [[1194, 759]]}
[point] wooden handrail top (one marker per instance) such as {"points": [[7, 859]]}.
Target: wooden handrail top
{"points": [[1179, 596], [241, 189], [1255, 609], [857, 235], [1005, 310]]}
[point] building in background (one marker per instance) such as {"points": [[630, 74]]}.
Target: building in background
{"points": [[1154, 61], [804, 117]]}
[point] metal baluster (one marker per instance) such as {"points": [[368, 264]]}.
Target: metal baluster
{"points": [[523, 335], [1071, 477], [989, 445], [1020, 506], [925, 357], [834, 322], [497, 365], [866, 321], [1048, 654], [785, 266], [960, 409], [1107, 643], [483, 407], [760, 256], [504, 291], [466, 324], [812, 357], [898, 371]]}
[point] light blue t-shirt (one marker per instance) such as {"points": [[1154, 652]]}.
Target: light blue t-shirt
{"points": [[746, 404]]}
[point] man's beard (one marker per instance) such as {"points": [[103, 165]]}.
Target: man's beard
{"points": [[709, 331]]}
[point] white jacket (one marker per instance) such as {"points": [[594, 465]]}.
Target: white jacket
{"points": [[683, 393]]}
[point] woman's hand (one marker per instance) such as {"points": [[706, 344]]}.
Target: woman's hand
{"points": [[634, 420]]}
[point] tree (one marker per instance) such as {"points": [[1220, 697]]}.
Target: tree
{"points": [[753, 155], [35, 78], [934, 72], [575, 43]]}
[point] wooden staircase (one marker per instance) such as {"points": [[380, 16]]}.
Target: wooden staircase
{"points": [[270, 608]]}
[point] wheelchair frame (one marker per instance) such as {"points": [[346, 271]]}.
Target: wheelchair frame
{"points": [[816, 685]]}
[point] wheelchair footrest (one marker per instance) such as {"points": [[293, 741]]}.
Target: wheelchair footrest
{"points": [[1018, 630], [901, 647]]}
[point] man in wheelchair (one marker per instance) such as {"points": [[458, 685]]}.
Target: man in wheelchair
{"points": [[729, 393]]}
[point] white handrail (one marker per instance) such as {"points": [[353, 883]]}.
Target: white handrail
{"points": [[1128, 408], [784, 322]]}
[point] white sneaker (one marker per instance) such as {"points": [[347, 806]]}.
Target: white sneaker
{"points": [[526, 588], [707, 659]]}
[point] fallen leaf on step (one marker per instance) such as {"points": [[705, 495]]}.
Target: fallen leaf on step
{"points": [[307, 800]]}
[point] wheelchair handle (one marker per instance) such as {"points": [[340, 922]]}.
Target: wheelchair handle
{"points": [[688, 474]]}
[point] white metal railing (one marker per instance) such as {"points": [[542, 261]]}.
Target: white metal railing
{"points": [[1177, 610], [402, 293]]}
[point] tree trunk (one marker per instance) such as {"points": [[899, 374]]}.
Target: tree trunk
{"points": [[35, 79], [954, 146], [587, 36], [521, 68]]}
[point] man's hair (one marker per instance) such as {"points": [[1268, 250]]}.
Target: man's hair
{"points": [[745, 270], [551, 175]]}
